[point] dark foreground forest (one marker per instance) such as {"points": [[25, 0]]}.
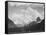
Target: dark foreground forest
{"points": [[32, 27]]}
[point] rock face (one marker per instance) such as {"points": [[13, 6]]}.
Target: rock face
{"points": [[23, 17]]}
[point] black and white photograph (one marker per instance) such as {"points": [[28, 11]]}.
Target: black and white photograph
{"points": [[24, 17]]}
